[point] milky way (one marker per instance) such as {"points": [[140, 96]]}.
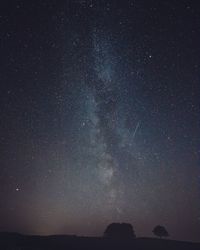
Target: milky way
{"points": [[99, 117]]}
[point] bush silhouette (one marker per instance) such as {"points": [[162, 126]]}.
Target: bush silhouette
{"points": [[119, 231], [160, 231]]}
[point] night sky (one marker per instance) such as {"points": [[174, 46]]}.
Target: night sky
{"points": [[99, 116]]}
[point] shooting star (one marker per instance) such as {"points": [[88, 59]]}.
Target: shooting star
{"points": [[136, 129]]}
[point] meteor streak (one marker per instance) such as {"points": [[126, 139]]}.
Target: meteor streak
{"points": [[136, 129]]}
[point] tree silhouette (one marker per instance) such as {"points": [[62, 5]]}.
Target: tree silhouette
{"points": [[119, 231], [160, 231]]}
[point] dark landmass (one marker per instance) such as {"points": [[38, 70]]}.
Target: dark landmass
{"points": [[17, 241]]}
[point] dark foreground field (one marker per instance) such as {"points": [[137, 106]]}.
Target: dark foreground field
{"points": [[13, 241]]}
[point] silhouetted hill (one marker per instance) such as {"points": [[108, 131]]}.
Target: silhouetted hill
{"points": [[15, 241]]}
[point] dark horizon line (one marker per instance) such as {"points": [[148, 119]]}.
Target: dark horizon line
{"points": [[94, 237]]}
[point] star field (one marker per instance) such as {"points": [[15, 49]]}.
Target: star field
{"points": [[100, 116]]}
